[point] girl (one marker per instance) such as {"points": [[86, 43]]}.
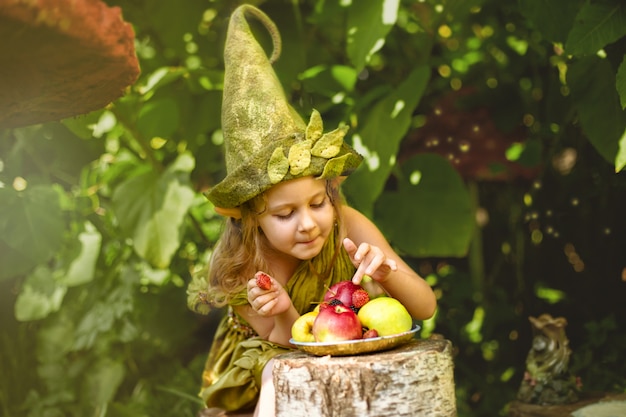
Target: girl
{"points": [[285, 218]]}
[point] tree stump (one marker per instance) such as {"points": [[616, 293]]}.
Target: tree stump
{"points": [[415, 379]]}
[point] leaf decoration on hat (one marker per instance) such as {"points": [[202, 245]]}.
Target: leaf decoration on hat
{"points": [[330, 143], [315, 128], [277, 166], [300, 157], [334, 167]]}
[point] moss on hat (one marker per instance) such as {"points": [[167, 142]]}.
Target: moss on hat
{"points": [[266, 141]]}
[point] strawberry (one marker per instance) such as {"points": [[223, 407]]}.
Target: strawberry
{"points": [[360, 298], [263, 281], [370, 333]]}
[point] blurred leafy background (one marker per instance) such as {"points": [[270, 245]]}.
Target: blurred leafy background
{"points": [[494, 136]]}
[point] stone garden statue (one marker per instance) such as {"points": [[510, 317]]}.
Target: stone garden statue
{"points": [[547, 379]]}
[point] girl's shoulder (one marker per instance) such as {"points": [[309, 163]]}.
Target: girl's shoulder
{"points": [[360, 228], [348, 212], [353, 217]]}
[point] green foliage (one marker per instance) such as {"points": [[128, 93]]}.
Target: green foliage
{"points": [[103, 225], [431, 199], [367, 27], [620, 80], [596, 25], [593, 86], [154, 221], [378, 139], [32, 225]]}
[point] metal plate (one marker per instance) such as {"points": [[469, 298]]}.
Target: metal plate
{"points": [[356, 347]]}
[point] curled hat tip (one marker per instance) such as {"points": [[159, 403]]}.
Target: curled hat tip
{"points": [[270, 26]]}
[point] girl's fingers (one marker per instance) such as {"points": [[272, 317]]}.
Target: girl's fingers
{"points": [[263, 303], [375, 263], [357, 254], [367, 259], [358, 275], [363, 252], [350, 247], [266, 308], [393, 265], [379, 263]]}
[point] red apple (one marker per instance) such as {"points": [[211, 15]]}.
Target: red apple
{"points": [[342, 291], [325, 304], [335, 324]]}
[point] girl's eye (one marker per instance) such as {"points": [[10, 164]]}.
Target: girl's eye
{"points": [[284, 216], [320, 204]]}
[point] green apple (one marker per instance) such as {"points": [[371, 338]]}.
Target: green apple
{"points": [[386, 315], [302, 328]]}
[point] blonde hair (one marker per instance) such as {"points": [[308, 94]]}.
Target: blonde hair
{"points": [[238, 254]]}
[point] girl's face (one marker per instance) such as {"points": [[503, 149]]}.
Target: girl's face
{"points": [[298, 217]]}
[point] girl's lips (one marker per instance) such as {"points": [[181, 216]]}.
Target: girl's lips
{"points": [[308, 242]]}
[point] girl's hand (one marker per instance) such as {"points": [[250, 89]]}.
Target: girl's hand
{"points": [[369, 260], [267, 302]]}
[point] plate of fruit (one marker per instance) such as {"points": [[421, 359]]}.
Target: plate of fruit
{"points": [[349, 322]]}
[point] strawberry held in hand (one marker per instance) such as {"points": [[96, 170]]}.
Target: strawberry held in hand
{"points": [[263, 281]]}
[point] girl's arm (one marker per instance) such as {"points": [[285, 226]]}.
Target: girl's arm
{"points": [[372, 255]]}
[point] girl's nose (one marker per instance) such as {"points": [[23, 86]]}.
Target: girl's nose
{"points": [[306, 221]]}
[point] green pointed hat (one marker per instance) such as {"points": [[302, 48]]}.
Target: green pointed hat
{"points": [[266, 141]]}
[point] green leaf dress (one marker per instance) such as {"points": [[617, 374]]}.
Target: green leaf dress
{"points": [[232, 376]]}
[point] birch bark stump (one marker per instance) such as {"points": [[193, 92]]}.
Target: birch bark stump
{"points": [[415, 379]]}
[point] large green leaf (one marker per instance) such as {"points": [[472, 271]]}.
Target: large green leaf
{"points": [[203, 115], [158, 118], [369, 22], [329, 80], [82, 268], [430, 215], [620, 82], [596, 25], [103, 381], [592, 82], [620, 158], [44, 290], [151, 209], [378, 140], [553, 18], [84, 126], [109, 313], [172, 21], [161, 77], [31, 228], [40, 296]]}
